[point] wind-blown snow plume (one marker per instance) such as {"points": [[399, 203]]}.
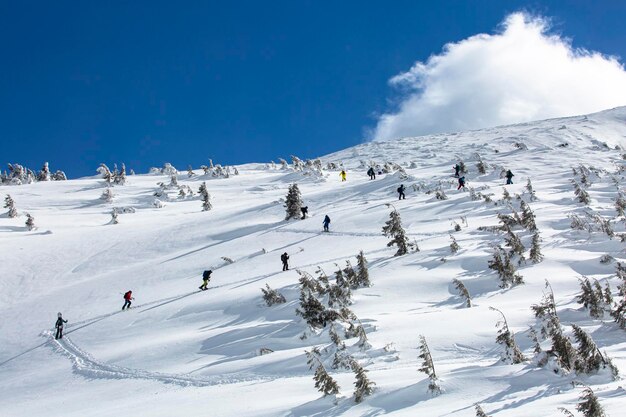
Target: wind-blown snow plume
{"points": [[520, 74]]}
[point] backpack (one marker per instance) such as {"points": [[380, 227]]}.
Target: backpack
{"points": [[206, 275], [127, 295]]}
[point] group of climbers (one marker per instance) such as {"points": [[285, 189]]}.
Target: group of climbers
{"points": [[206, 275]]}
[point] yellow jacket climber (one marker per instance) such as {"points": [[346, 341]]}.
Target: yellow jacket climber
{"points": [[343, 175]]}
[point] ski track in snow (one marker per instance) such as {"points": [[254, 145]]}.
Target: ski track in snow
{"points": [[84, 364]]}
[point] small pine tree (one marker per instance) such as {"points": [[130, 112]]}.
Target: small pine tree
{"points": [[619, 310], [30, 222], [393, 228], [501, 263], [590, 405], [561, 348], [454, 246], [272, 296], [293, 203], [620, 204], [428, 367], [535, 249], [505, 195], [481, 167], [479, 411], [506, 338], [514, 242], [528, 217], [581, 194], [463, 291], [105, 172], [363, 386], [114, 219], [531, 191], [323, 381], [206, 197], [107, 195], [462, 167], [44, 174], [362, 273], [591, 297], [589, 358], [120, 177], [190, 172], [311, 309], [10, 204]]}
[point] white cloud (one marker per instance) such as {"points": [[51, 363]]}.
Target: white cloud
{"points": [[520, 74]]}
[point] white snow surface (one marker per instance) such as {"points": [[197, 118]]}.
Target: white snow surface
{"points": [[182, 352]]}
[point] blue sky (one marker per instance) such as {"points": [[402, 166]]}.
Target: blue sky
{"points": [[147, 82]]}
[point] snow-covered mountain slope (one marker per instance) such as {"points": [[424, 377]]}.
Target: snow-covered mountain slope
{"points": [[182, 352]]}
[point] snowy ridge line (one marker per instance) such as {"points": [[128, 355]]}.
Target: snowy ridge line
{"points": [[84, 364]]}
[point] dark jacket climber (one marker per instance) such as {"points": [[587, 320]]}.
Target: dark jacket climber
{"points": [[285, 258], [59, 326], [305, 211], [457, 168], [461, 183], [206, 276], [400, 190], [509, 177], [371, 173], [326, 222]]}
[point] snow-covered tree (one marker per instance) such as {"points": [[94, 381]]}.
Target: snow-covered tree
{"points": [[114, 219], [206, 197], [44, 174], [481, 167], [535, 249], [591, 297], [428, 367], [581, 194], [190, 172], [104, 170], [120, 177], [589, 404], [107, 195], [531, 191], [454, 246], [363, 386], [589, 358], [528, 217], [463, 291], [502, 264], [506, 338], [362, 273], [10, 204], [323, 381], [393, 229], [479, 411], [619, 310], [30, 222], [59, 176], [561, 349], [272, 296], [293, 203]]}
